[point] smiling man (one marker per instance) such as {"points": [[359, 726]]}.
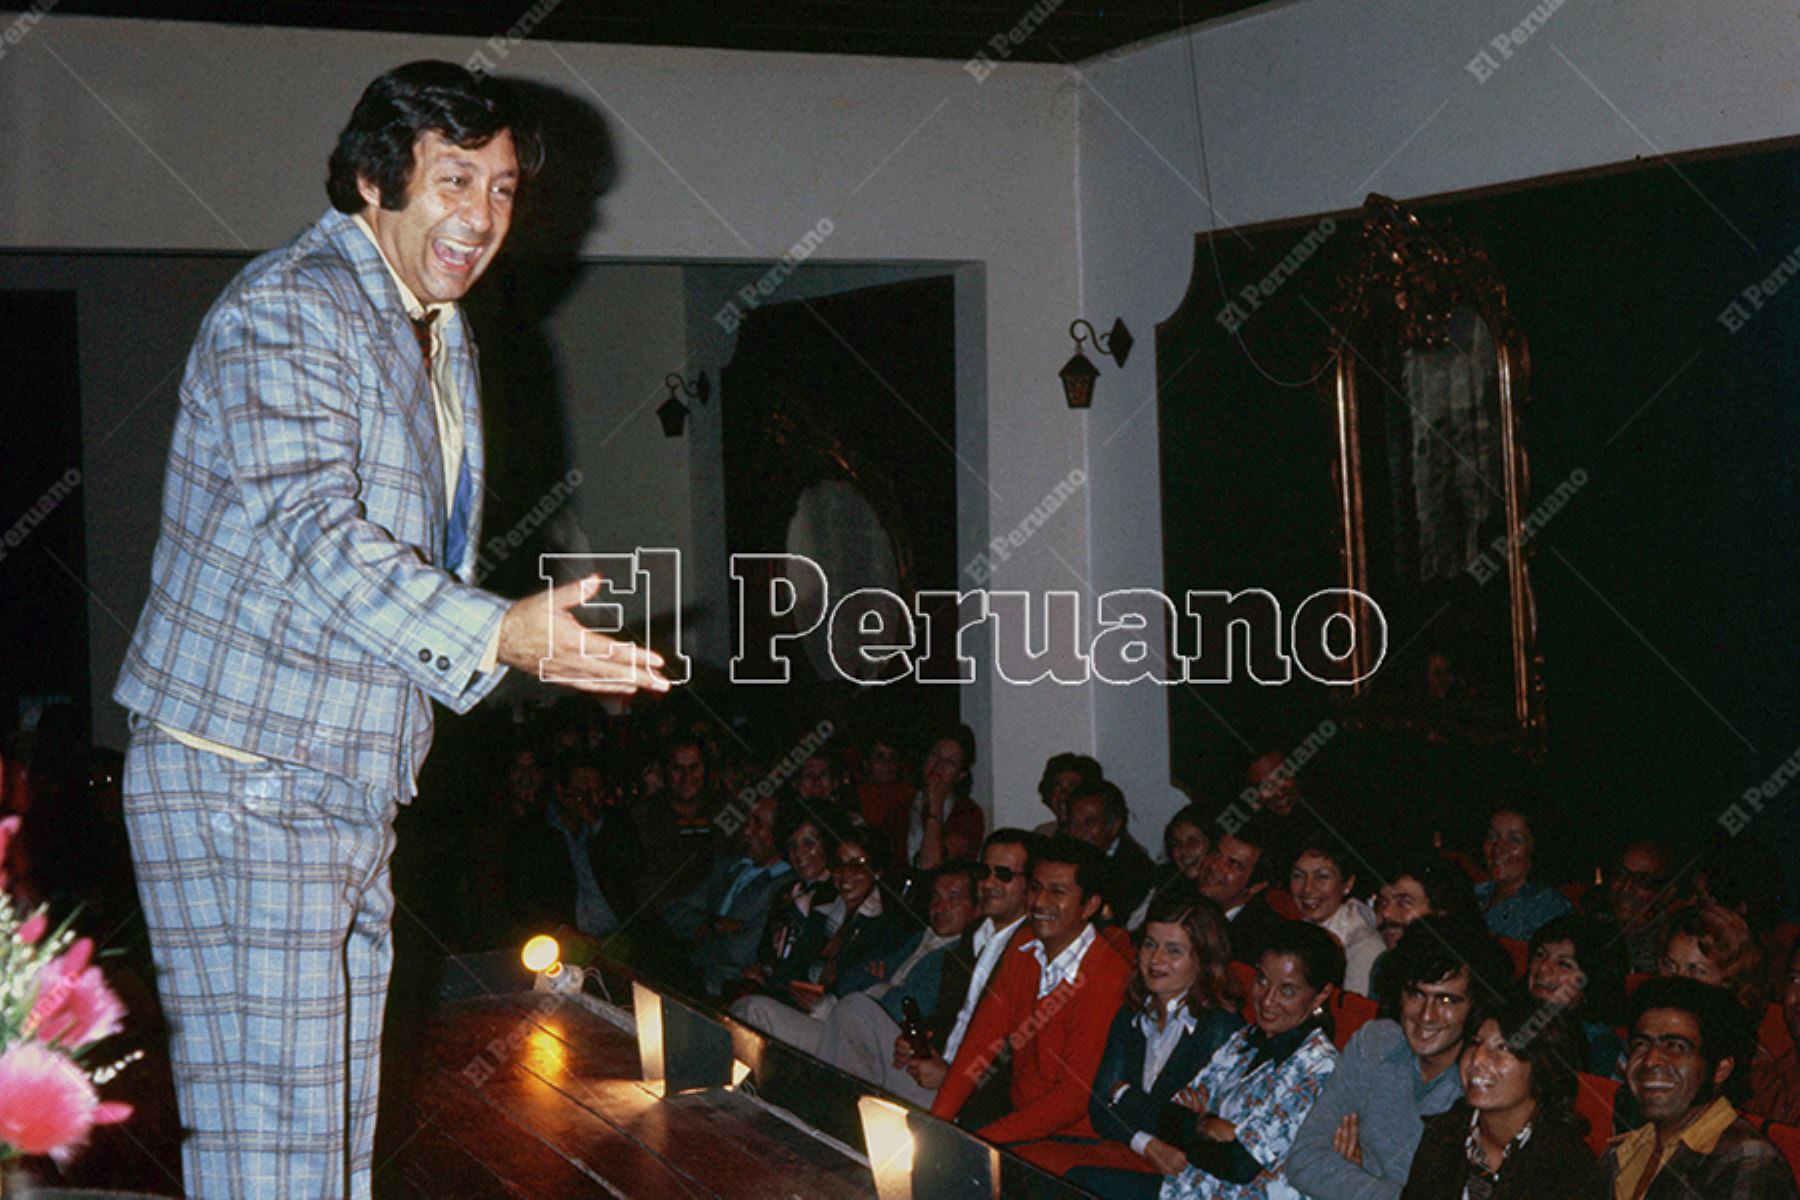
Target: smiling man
{"points": [[1051, 1004], [1688, 1041], [1360, 1137], [310, 596]]}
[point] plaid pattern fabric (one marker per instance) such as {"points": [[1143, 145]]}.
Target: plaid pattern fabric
{"points": [[266, 892], [298, 606]]}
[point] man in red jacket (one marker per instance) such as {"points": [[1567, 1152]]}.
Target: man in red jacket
{"points": [[1051, 1002]]}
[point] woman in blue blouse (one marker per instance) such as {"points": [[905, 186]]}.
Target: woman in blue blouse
{"points": [[1227, 1136], [1512, 903], [1179, 1008]]}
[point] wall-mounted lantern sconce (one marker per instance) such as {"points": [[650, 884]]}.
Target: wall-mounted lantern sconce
{"points": [[1078, 374], [672, 412]]}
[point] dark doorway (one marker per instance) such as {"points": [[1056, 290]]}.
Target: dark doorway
{"points": [[43, 593], [840, 430]]}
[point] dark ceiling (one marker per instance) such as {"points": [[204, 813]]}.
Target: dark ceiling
{"points": [[950, 29]]}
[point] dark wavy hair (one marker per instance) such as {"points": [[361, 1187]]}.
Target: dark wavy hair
{"points": [[377, 144], [1544, 1039], [1204, 923], [1725, 1030], [1600, 955]]}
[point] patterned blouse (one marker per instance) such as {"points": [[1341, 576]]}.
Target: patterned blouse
{"points": [[1480, 1182], [1267, 1101]]}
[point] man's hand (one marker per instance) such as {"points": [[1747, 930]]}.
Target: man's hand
{"points": [[1193, 1099], [541, 634], [928, 1073], [1165, 1157], [1346, 1139]]}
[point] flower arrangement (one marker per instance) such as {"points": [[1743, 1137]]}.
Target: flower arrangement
{"points": [[54, 1006]]}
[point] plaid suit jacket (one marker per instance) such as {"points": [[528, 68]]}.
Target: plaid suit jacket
{"points": [[299, 608]]}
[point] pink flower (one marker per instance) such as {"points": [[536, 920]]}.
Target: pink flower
{"points": [[47, 1106], [34, 928], [74, 1006]]}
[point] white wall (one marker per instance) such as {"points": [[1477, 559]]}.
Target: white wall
{"points": [[1310, 106], [123, 134]]}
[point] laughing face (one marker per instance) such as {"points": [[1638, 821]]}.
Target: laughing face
{"points": [[1318, 886], [459, 204], [1432, 1016], [1507, 849], [1665, 1069], [1494, 1079]]}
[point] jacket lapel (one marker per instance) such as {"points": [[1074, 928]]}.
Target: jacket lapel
{"points": [[409, 389]]}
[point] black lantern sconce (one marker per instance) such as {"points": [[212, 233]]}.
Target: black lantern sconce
{"points": [[1079, 374], [672, 412]]}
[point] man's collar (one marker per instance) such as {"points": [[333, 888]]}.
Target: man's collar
{"points": [[1067, 962], [415, 308], [1701, 1134], [987, 931]]}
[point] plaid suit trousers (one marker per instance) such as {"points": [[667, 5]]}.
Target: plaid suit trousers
{"points": [[270, 911]]}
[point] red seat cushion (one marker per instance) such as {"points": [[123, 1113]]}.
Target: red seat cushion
{"points": [[1519, 952], [1772, 1035], [1787, 1140], [1349, 1012], [1594, 1100]]}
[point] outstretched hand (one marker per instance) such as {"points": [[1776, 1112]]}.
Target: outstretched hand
{"points": [[540, 634]]}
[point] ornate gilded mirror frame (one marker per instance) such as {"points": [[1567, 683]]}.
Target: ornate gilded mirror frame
{"points": [[1429, 376]]}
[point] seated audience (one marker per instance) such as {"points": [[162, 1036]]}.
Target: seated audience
{"points": [[820, 785], [572, 861], [1578, 964], [1098, 816], [1635, 899], [1427, 885], [1359, 1140], [678, 824], [810, 851], [1687, 1042], [721, 920], [883, 788], [912, 970], [1776, 1094], [1270, 786], [1228, 1133], [940, 823], [1179, 1008], [1063, 773], [1512, 902], [1186, 842], [1322, 881], [1004, 881], [1515, 1134], [1711, 943], [839, 935], [1052, 1000], [1234, 875]]}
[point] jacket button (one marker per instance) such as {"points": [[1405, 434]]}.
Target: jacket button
{"points": [[424, 656], [443, 663]]}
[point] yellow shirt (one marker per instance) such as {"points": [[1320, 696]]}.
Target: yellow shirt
{"points": [[1640, 1158]]}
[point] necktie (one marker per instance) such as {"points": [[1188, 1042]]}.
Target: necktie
{"points": [[456, 534]]}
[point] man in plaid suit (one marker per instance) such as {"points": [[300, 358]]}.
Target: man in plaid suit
{"points": [[309, 597]]}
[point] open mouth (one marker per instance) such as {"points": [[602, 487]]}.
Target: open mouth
{"points": [[453, 255]]}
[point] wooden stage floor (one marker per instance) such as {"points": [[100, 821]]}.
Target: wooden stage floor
{"points": [[511, 1101], [506, 1096]]}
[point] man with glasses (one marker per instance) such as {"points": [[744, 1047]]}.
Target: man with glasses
{"points": [[1359, 1139], [1687, 1042], [875, 1051], [1050, 1005], [1636, 899]]}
